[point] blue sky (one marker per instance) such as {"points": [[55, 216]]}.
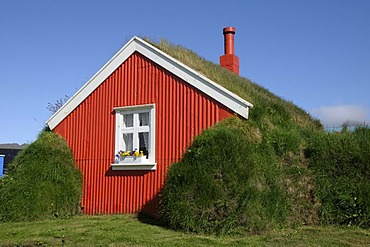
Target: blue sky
{"points": [[313, 53]]}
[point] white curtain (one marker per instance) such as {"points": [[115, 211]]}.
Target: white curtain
{"points": [[143, 137], [144, 119], [146, 136]]}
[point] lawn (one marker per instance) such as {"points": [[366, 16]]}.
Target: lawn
{"points": [[127, 230]]}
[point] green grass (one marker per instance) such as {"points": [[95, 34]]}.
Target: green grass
{"points": [[320, 177], [226, 182], [325, 176], [42, 182], [276, 160], [341, 163], [127, 230]]}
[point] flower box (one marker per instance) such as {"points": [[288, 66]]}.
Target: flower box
{"points": [[133, 163], [124, 160], [132, 159]]}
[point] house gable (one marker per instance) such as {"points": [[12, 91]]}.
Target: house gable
{"points": [[202, 83], [182, 112], [185, 103]]}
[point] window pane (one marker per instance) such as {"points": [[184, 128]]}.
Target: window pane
{"points": [[143, 142], [128, 141], [144, 119], [128, 120]]}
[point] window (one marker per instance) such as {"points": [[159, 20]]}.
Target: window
{"points": [[135, 138]]}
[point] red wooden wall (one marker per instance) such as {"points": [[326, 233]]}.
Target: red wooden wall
{"points": [[182, 112]]}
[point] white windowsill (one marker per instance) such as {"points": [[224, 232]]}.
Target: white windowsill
{"points": [[134, 166]]}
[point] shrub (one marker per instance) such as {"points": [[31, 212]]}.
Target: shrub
{"points": [[42, 182], [341, 164], [226, 182]]}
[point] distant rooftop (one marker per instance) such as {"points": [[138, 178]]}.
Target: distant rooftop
{"points": [[13, 146]]}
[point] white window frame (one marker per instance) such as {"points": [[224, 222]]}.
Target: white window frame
{"points": [[144, 163]]}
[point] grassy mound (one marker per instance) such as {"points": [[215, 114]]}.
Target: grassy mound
{"points": [[341, 162], [42, 182], [228, 181], [325, 176], [290, 172], [278, 185]]}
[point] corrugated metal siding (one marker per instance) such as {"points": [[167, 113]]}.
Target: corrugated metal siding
{"points": [[182, 112]]}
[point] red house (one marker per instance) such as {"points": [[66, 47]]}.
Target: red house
{"points": [[147, 103]]}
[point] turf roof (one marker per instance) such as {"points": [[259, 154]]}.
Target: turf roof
{"points": [[268, 107]]}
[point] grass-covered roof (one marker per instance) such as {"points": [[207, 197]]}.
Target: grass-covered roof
{"points": [[268, 107], [277, 169], [275, 182]]}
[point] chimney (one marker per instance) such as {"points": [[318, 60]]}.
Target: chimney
{"points": [[229, 60]]}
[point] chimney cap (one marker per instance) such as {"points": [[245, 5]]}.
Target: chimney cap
{"points": [[229, 30]]}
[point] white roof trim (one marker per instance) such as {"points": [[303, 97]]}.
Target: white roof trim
{"points": [[210, 88]]}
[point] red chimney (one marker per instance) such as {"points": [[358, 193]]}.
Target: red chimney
{"points": [[229, 61]]}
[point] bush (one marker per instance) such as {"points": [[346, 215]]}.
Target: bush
{"points": [[227, 182], [42, 182], [341, 164]]}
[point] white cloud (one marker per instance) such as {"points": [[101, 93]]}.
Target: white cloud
{"points": [[335, 116]]}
